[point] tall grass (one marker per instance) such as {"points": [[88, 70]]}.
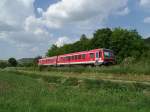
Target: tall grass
{"points": [[20, 93], [139, 68]]}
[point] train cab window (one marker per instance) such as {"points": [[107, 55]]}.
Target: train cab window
{"points": [[91, 55], [107, 54], [83, 56]]}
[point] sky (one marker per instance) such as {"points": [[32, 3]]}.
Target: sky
{"points": [[29, 27]]}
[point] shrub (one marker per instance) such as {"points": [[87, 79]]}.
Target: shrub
{"points": [[3, 64]]}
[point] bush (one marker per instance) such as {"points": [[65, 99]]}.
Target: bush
{"points": [[12, 62], [3, 64], [128, 61]]}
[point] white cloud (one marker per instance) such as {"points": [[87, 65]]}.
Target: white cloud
{"points": [[145, 3], [123, 12], [62, 40], [147, 20], [34, 49], [80, 15], [69, 11], [35, 26], [14, 12], [40, 10], [17, 22], [62, 13], [20, 26]]}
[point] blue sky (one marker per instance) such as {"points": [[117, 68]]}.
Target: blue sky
{"points": [[31, 30]]}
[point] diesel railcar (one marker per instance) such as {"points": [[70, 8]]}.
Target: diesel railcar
{"points": [[91, 57]]}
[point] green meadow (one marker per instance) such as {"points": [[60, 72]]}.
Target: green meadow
{"points": [[58, 92]]}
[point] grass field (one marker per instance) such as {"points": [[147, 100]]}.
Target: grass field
{"points": [[22, 92]]}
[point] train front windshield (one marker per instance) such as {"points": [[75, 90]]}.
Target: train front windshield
{"points": [[108, 54]]}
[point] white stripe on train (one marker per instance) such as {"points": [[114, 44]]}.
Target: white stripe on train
{"points": [[72, 63]]}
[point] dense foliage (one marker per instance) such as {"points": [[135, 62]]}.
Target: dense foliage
{"points": [[3, 64], [12, 62], [125, 43]]}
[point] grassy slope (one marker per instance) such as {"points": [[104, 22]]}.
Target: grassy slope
{"points": [[19, 93], [84, 75], [139, 68]]}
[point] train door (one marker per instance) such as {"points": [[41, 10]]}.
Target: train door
{"points": [[96, 58], [97, 55]]}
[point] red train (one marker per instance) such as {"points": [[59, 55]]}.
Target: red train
{"points": [[91, 57]]}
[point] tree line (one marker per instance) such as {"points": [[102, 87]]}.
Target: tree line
{"points": [[25, 62], [125, 43]]}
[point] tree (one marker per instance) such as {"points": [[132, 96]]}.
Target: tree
{"points": [[101, 38], [12, 62], [84, 43], [126, 43], [52, 51], [147, 41]]}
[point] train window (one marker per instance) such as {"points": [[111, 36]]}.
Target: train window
{"points": [[65, 58], [79, 56], [97, 55], [69, 58], [72, 57], [83, 56], [91, 55], [76, 57], [107, 54], [100, 54]]}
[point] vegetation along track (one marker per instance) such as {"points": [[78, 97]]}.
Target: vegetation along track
{"points": [[28, 91], [80, 78]]}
